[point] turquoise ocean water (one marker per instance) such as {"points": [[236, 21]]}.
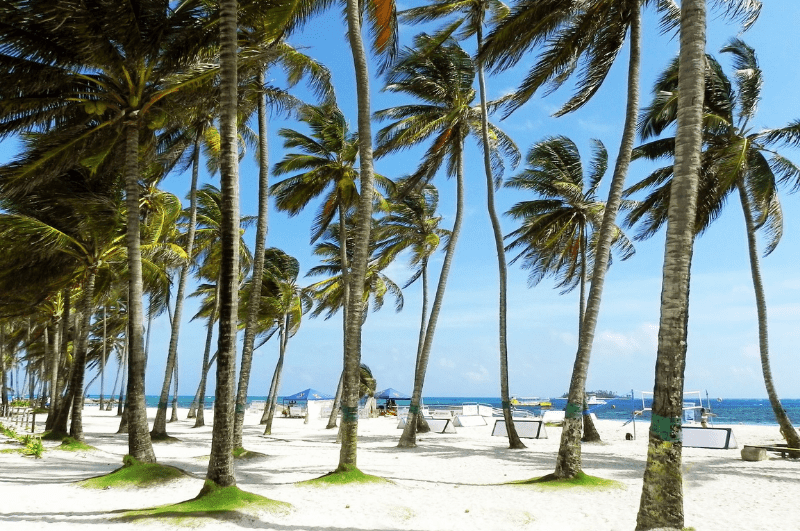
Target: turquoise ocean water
{"points": [[727, 410]]}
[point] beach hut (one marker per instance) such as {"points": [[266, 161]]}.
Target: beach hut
{"points": [[391, 396], [315, 402]]}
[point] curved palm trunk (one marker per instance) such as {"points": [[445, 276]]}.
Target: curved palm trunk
{"points": [[276, 379], [358, 271], [272, 391], [568, 464], [258, 271], [661, 504], [200, 419], [56, 362], [122, 387], [590, 433], [787, 430], [505, 398], [114, 389], [79, 359], [409, 438], [139, 444], [220, 466], [337, 401], [160, 423], [422, 424]]}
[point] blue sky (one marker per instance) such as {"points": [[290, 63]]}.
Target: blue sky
{"points": [[723, 353]]}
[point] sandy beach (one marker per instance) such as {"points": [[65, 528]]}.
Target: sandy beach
{"points": [[449, 482]]}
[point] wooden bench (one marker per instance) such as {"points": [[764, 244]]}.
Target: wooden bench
{"points": [[784, 450]]}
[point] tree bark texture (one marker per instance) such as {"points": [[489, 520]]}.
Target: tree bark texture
{"points": [[79, 359], [220, 465], [661, 503], [358, 271], [139, 445]]}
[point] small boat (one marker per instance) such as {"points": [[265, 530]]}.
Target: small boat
{"points": [[526, 401], [592, 400]]}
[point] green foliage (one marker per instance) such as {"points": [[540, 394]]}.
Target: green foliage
{"points": [[33, 446], [344, 475], [581, 480], [8, 432], [69, 444], [53, 436], [216, 501], [134, 474], [20, 402]]}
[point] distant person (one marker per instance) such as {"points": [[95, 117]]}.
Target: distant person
{"points": [[704, 414]]}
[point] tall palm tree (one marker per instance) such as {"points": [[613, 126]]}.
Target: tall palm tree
{"points": [[473, 17], [440, 74], [296, 64], [411, 224], [559, 228], [733, 159]]}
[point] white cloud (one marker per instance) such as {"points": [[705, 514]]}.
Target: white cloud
{"points": [[447, 363], [478, 375], [642, 340]]}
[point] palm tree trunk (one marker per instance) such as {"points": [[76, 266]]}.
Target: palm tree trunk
{"points": [[56, 402], [160, 423], [3, 386], [277, 377], [514, 441], [114, 389], [787, 430], [346, 298], [409, 439], [358, 271], [53, 373], [220, 466], [201, 391], [271, 393], [79, 359], [103, 363], [661, 505], [139, 445], [590, 433], [174, 415], [258, 269], [336, 403], [568, 464], [422, 424], [123, 386]]}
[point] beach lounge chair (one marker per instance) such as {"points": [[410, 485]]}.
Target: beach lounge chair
{"points": [[526, 428], [716, 438]]}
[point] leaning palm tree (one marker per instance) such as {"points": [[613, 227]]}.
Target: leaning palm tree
{"points": [[440, 74], [734, 159], [472, 17], [559, 227]]}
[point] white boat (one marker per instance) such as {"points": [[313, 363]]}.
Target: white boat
{"points": [[592, 400]]}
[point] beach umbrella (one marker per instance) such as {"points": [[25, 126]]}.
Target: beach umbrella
{"points": [[391, 393], [309, 394]]}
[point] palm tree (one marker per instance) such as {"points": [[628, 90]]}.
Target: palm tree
{"points": [[474, 14], [411, 224], [733, 159], [440, 74], [283, 304], [559, 228], [209, 256], [296, 64]]}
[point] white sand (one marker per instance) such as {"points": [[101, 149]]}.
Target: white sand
{"points": [[449, 482]]}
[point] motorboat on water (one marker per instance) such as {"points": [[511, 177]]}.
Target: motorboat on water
{"points": [[529, 401], [592, 400]]}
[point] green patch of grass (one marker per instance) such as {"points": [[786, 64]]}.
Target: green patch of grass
{"points": [[163, 438], [581, 480], [11, 451], [54, 436], [214, 501], [68, 444], [241, 453], [344, 475], [134, 474]]}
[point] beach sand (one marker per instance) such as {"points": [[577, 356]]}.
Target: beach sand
{"points": [[449, 482]]}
